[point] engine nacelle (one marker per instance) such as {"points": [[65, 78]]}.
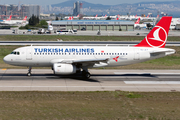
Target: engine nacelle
{"points": [[64, 69]]}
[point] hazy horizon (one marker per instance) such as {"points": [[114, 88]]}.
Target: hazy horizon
{"points": [[49, 2]]}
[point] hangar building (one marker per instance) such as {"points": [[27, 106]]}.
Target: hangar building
{"points": [[94, 25]]}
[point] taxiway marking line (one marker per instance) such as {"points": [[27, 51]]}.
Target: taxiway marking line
{"points": [[152, 82]]}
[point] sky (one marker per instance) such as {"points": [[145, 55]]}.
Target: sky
{"points": [[48, 2]]}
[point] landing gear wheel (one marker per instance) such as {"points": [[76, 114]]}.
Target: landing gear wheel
{"points": [[29, 74], [86, 75]]}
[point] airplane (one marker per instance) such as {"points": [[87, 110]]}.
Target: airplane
{"points": [[14, 22], [66, 60], [95, 17], [72, 17], [137, 25]]}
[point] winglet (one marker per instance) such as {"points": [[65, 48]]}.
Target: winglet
{"points": [[157, 37]]}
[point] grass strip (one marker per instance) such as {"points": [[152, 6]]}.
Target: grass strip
{"points": [[117, 105], [76, 38]]}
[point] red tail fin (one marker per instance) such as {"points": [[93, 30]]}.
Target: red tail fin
{"points": [[157, 16], [9, 17], [158, 35], [25, 18], [137, 22]]}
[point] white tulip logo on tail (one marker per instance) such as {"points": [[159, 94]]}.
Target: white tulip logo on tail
{"points": [[157, 38]]}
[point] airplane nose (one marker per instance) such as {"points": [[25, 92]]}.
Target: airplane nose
{"points": [[6, 59]]}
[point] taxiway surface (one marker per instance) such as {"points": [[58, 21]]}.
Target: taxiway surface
{"points": [[101, 80]]}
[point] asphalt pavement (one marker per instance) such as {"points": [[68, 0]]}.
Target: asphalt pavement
{"points": [[101, 80]]}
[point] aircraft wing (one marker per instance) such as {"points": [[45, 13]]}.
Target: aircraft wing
{"points": [[91, 60], [81, 61]]}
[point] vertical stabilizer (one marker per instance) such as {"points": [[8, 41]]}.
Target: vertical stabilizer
{"points": [[157, 37]]}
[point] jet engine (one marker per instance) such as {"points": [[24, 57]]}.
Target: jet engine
{"points": [[64, 69]]}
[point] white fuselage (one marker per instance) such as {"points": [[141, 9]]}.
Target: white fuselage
{"points": [[13, 22], [46, 56]]}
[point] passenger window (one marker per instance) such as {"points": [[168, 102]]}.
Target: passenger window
{"points": [[18, 53]]}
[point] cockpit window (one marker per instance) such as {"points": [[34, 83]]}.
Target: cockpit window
{"points": [[15, 53]]}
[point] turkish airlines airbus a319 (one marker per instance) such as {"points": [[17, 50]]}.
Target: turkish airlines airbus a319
{"points": [[66, 60]]}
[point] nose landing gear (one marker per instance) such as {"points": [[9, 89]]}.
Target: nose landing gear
{"points": [[29, 72]]}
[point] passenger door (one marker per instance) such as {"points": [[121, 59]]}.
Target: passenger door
{"points": [[28, 54]]}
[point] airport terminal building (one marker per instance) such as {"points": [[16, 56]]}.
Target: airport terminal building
{"points": [[94, 25]]}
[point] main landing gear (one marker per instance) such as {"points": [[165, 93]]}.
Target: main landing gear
{"points": [[29, 72], [86, 74]]}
